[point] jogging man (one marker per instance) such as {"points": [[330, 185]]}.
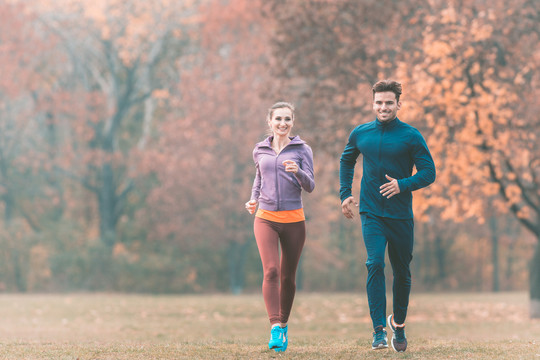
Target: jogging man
{"points": [[390, 150]]}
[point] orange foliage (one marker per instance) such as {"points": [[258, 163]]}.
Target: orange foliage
{"points": [[471, 87]]}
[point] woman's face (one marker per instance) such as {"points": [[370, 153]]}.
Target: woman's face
{"points": [[281, 122]]}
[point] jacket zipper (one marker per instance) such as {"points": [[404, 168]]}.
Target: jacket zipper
{"points": [[381, 175], [277, 181]]}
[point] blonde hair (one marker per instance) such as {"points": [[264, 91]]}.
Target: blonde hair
{"points": [[279, 105]]}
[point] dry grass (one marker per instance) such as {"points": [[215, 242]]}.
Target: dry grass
{"points": [[322, 326]]}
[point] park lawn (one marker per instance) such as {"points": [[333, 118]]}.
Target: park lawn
{"points": [[322, 326]]}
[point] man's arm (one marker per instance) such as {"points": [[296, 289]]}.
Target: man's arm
{"points": [[425, 167]]}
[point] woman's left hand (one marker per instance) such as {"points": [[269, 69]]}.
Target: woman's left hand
{"points": [[290, 166]]}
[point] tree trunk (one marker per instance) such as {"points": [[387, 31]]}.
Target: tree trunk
{"points": [[494, 252], [107, 205], [237, 260], [513, 232], [535, 281], [425, 259], [440, 254], [9, 206], [9, 209], [20, 279]]}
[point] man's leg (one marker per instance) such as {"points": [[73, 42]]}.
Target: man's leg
{"points": [[375, 241], [400, 248]]}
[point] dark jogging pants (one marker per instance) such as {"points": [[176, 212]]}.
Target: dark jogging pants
{"points": [[399, 235]]}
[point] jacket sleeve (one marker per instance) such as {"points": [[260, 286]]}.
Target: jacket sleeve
{"points": [[256, 188], [305, 174], [347, 163], [425, 167]]}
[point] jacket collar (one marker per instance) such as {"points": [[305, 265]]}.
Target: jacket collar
{"points": [[295, 140], [387, 124]]}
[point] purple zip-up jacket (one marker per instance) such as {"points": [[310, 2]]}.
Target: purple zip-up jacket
{"points": [[274, 188]]}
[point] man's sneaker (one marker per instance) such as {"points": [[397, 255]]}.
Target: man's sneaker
{"points": [[285, 340], [380, 341], [276, 338], [399, 341]]}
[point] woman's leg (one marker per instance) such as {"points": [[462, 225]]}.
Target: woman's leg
{"points": [[292, 239], [267, 239]]}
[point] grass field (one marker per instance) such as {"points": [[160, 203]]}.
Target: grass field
{"points": [[322, 326]]}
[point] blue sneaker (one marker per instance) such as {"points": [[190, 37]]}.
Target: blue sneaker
{"points": [[276, 338], [285, 340], [380, 341]]}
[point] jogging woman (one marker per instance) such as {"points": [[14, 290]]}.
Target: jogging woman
{"points": [[284, 166]]}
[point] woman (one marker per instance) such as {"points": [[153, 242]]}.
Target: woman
{"points": [[284, 167]]}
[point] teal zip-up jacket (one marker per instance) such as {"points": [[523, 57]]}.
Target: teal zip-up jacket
{"points": [[391, 148]]}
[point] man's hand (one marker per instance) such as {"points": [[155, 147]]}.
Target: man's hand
{"points": [[347, 208], [390, 188]]}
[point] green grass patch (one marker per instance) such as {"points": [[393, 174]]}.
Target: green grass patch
{"points": [[322, 326]]}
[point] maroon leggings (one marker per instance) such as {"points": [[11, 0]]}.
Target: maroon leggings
{"points": [[279, 299]]}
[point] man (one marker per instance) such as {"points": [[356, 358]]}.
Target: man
{"points": [[390, 149]]}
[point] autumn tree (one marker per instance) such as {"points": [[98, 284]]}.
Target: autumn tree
{"points": [[476, 80], [119, 57], [203, 158], [28, 194]]}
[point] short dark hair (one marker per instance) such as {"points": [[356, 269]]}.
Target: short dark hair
{"points": [[387, 85]]}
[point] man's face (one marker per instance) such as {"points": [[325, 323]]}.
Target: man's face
{"points": [[385, 106]]}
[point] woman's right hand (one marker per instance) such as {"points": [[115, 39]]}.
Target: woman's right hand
{"points": [[251, 205]]}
